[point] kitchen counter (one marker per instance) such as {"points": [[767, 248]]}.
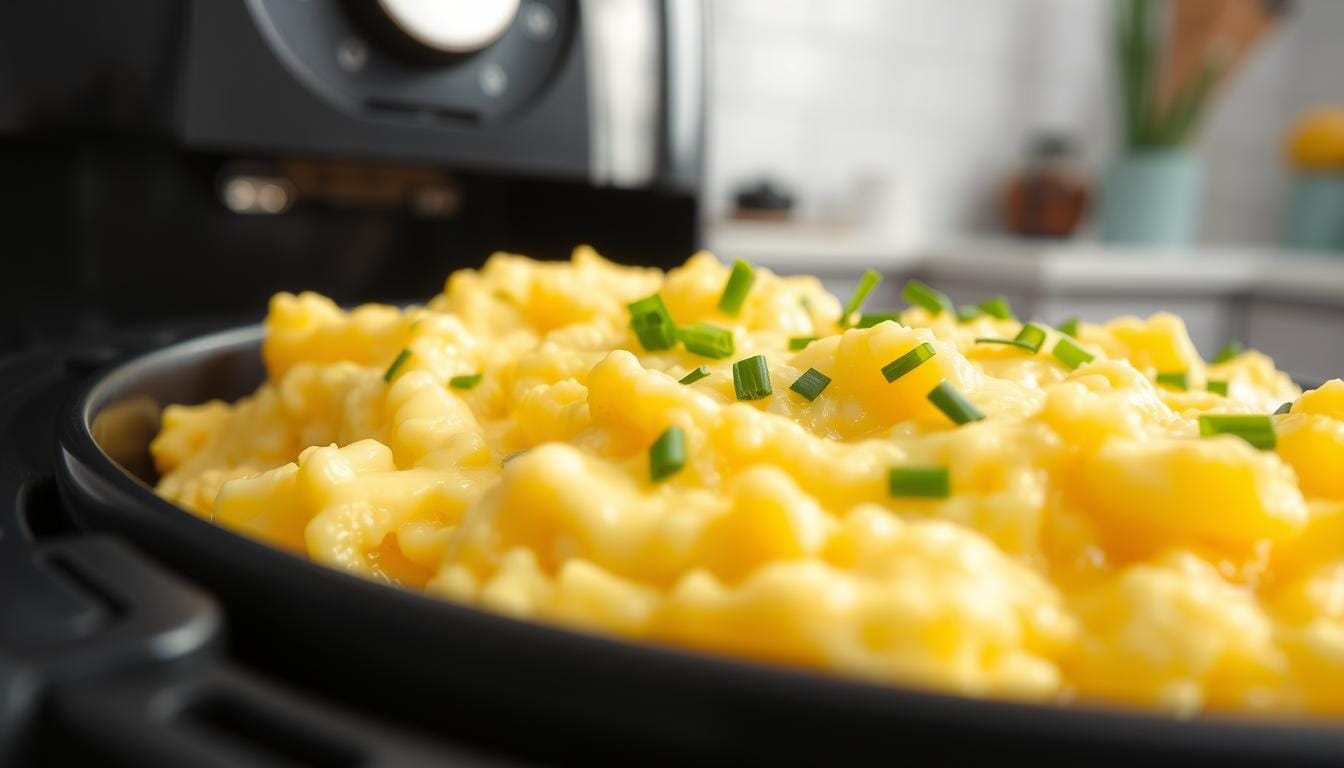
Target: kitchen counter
{"points": [[1094, 267], [1288, 302], [1073, 265]]}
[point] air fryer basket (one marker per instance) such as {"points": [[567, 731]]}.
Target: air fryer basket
{"points": [[454, 671]]}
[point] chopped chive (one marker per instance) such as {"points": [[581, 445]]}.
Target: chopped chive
{"points": [[465, 382], [800, 342], [1070, 354], [1218, 387], [920, 294], [1230, 350], [1010, 342], [751, 378], [998, 307], [907, 362], [667, 455], [1285, 408], [1069, 327], [811, 383], [652, 323], [968, 312], [1256, 429], [736, 289], [1030, 338], [919, 482], [1032, 335], [392, 369], [695, 375], [706, 340], [1177, 379], [868, 321], [866, 285], [953, 404], [805, 303]]}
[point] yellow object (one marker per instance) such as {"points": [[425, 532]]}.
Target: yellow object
{"points": [[1316, 142], [1093, 545]]}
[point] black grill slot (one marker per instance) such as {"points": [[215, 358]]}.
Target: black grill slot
{"points": [[40, 510], [113, 607], [268, 734]]}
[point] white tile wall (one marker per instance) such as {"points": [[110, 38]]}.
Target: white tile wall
{"points": [[930, 103]]}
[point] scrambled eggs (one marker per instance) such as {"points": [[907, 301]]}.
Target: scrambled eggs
{"points": [[1060, 525]]}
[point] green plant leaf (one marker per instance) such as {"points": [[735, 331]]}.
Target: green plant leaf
{"points": [[1187, 106], [1142, 69]]}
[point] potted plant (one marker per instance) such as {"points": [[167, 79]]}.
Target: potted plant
{"points": [[1171, 59]]}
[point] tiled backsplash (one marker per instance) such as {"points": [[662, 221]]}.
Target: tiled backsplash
{"points": [[924, 106]]}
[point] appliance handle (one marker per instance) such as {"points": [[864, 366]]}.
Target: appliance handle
{"points": [[621, 47], [685, 63]]}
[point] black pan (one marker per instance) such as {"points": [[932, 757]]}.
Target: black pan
{"points": [[448, 670]]}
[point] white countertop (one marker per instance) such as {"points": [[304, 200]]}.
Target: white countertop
{"points": [[1071, 266]]}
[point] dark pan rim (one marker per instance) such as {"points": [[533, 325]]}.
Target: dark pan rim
{"points": [[1096, 723]]}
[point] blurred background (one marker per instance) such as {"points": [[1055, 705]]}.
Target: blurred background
{"points": [[169, 164], [1084, 157]]}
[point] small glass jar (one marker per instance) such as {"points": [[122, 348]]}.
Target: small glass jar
{"points": [[1049, 196]]}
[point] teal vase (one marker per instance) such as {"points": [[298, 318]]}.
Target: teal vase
{"points": [[1152, 198], [1316, 213]]}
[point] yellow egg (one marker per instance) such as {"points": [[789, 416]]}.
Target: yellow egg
{"points": [[1064, 534]]}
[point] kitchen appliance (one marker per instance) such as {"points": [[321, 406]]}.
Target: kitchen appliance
{"points": [[171, 162], [133, 632]]}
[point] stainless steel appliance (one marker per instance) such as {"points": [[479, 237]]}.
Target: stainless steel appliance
{"points": [[168, 161]]}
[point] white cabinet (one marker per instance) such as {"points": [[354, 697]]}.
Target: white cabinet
{"points": [[1305, 338]]}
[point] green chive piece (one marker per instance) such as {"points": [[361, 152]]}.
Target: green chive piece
{"points": [[1256, 429], [866, 285], [908, 362], [868, 321], [1230, 350], [751, 378], [1069, 327], [667, 456], [1177, 379], [695, 375], [652, 323], [1031, 335], [968, 312], [465, 382], [392, 369], [736, 289], [1070, 354], [800, 342], [953, 404], [706, 340], [1285, 408], [1218, 387], [811, 383], [920, 294], [1010, 342], [919, 482], [1030, 338], [998, 307]]}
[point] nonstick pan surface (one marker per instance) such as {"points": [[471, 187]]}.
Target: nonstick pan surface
{"points": [[453, 671]]}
